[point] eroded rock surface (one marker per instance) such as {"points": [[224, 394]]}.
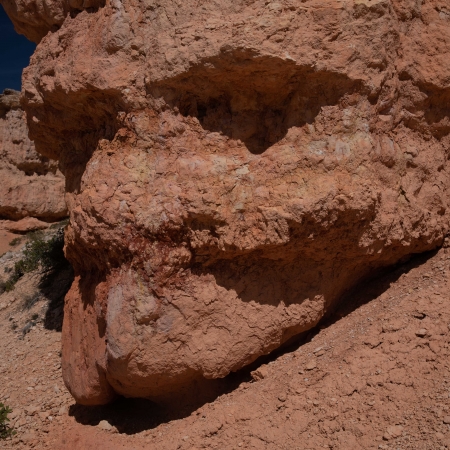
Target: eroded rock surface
{"points": [[232, 169], [31, 184], [35, 19]]}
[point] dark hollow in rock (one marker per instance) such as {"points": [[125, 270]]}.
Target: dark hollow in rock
{"points": [[253, 98]]}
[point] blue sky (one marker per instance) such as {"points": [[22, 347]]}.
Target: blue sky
{"points": [[15, 52]]}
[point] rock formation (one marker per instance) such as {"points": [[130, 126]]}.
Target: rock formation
{"points": [[232, 169], [31, 184]]}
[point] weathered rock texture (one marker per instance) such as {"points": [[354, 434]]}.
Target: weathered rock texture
{"points": [[36, 18], [232, 168], [31, 184]]}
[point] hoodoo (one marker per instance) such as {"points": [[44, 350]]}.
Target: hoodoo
{"points": [[232, 168]]}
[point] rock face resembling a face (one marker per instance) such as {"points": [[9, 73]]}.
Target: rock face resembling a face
{"points": [[232, 169]]}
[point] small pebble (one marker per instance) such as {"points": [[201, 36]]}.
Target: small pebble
{"points": [[421, 333], [105, 425]]}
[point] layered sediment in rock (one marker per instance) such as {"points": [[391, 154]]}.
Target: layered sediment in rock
{"points": [[31, 184], [232, 169]]}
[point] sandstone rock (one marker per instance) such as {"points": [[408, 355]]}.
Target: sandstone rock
{"points": [[15, 414], [231, 170], [62, 411], [35, 19], [260, 373], [31, 184], [31, 410], [105, 425], [27, 437], [393, 432], [9, 100], [24, 225]]}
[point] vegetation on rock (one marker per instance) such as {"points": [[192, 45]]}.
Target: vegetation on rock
{"points": [[39, 252], [5, 430]]}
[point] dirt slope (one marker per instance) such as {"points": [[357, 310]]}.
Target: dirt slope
{"points": [[376, 376]]}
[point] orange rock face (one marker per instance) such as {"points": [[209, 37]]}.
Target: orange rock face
{"points": [[31, 184], [232, 169]]}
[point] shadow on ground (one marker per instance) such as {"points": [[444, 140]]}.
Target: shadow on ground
{"points": [[54, 288], [134, 415], [131, 416]]}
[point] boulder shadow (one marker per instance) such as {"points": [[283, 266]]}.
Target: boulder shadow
{"points": [[132, 416], [371, 287], [135, 415], [54, 287], [368, 289]]}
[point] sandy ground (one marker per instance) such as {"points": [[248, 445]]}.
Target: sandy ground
{"points": [[376, 375], [5, 238]]}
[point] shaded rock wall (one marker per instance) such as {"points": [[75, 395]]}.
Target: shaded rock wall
{"points": [[31, 184], [232, 169]]}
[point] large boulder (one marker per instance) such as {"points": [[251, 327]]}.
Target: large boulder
{"points": [[31, 184], [35, 19], [232, 169]]}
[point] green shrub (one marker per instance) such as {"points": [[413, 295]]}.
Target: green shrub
{"points": [[38, 253], [15, 241], [10, 283], [5, 430]]}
